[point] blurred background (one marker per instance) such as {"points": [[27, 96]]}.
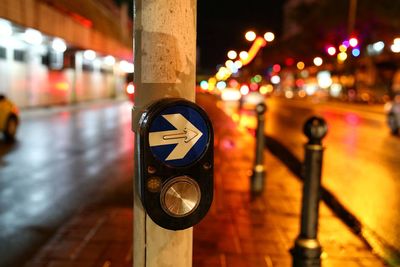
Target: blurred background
{"points": [[66, 93]]}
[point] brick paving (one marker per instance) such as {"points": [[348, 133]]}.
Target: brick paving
{"points": [[238, 231]]}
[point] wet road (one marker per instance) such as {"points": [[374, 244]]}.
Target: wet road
{"points": [[63, 160], [361, 162]]}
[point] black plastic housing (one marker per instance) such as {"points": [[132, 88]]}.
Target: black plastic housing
{"points": [[202, 170]]}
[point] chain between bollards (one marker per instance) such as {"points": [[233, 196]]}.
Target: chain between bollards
{"points": [[307, 249], [258, 174]]}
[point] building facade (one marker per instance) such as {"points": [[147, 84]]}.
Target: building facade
{"points": [[60, 52]]}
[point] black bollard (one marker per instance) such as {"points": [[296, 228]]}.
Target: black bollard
{"points": [[258, 175], [307, 249]]}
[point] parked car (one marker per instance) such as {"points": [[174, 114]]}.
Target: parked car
{"points": [[393, 111], [9, 118]]}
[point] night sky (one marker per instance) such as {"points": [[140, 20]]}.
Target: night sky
{"points": [[221, 25]]}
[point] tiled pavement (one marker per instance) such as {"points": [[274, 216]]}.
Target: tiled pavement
{"points": [[238, 231]]}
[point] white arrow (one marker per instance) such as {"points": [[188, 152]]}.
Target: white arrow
{"points": [[185, 136]]}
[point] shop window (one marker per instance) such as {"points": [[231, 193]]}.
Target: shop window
{"points": [[3, 52], [19, 55]]}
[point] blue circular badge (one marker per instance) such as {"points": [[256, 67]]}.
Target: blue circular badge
{"points": [[178, 135]]}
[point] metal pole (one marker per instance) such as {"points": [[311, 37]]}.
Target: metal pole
{"points": [[307, 250], [258, 175], [165, 58]]}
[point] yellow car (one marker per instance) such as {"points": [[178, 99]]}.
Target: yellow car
{"points": [[8, 118]]}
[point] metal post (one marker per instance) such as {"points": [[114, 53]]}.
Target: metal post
{"points": [[165, 58], [307, 250], [258, 175]]}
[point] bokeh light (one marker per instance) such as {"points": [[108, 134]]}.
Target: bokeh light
{"points": [[276, 68], [33, 37], [5, 28], [253, 86], [229, 63], [59, 45], [109, 60], [318, 61], [331, 50], [243, 55], [244, 89], [257, 78], [250, 36], [300, 65], [90, 55], [204, 85], [269, 36], [238, 64], [353, 42], [342, 48], [232, 54], [355, 52], [221, 85], [130, 89], [265, 89], [342, 56], [275, 79], [378, 46]]}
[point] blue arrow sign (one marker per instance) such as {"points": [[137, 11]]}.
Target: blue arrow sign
{"points": [[178, 136]]}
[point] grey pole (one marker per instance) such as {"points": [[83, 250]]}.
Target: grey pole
{"points": [[258, 175], [165, 66], [307, 249]]}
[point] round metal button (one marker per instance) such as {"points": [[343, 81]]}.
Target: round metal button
{"points": [[180, 196]]}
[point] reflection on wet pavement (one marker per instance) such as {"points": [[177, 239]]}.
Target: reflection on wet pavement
{"points": [[58, 164]]}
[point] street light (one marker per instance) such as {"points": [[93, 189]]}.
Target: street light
{"points": [[243, 55], [317, 61], [331, 50], [269, 36], [353, 42], [232, 54], [250, 36]]}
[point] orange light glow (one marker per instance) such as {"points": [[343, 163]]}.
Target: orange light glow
{"points": [[300, 65], [62, 86], [257, 45], [82, 20]]}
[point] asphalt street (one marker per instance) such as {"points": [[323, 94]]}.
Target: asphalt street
{"points": [[63, 160]]}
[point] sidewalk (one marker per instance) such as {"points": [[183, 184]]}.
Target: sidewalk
{"points": [[236, 232]]}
